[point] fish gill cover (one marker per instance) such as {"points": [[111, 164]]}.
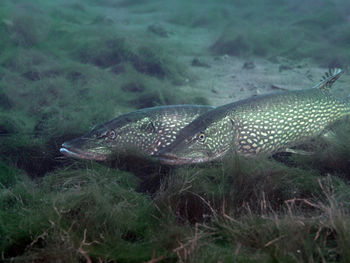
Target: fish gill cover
{"points": [[66, 66]]}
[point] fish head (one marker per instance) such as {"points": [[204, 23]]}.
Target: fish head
{"points": [[126, 134], [205, 143], [95, 145]]}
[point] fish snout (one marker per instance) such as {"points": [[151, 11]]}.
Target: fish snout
{"points": [[65, 145], [66, 149], [78, 149]]}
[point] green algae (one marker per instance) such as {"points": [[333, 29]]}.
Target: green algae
{"points": [[98, 202], [8, 175], [200, 212]]}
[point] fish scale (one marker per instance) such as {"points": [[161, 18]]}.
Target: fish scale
{"points": [[258, 125]]}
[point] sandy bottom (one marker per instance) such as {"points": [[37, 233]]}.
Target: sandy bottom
{"points": [[223, 79]]}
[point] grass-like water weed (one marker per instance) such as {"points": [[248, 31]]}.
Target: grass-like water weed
{"points": [[330, 153], [26, 29], [234, 185], [242, 209], [261, 211], [75, 211], [290, 236]]}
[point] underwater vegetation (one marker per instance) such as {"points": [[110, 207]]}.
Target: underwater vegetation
{"points": [[68, 66], [240, 209]]}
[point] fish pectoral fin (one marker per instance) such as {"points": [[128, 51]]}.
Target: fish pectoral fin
{"points": [[300, 152]]}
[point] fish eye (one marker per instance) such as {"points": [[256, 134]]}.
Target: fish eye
{"points": [[111, 134], [201, 137]]}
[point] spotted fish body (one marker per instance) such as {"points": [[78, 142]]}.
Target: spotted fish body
{"points": [[142, 132], [259, 125], [275, 122]]}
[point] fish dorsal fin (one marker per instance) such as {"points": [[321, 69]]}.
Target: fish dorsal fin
{"points": [[329, 78]]}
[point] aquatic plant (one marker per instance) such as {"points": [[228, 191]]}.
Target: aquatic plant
{"points": [[26, 29], [250, 207], [8, 175], [72, 209], [331, 152]]}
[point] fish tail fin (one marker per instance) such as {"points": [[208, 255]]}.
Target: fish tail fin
{"points": [[329, 78]]}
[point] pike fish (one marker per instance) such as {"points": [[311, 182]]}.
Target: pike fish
{"points": [[142, 132], [260, 125]]}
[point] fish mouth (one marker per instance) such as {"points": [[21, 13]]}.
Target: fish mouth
{"points": [[173, 159], [79, 154]]}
